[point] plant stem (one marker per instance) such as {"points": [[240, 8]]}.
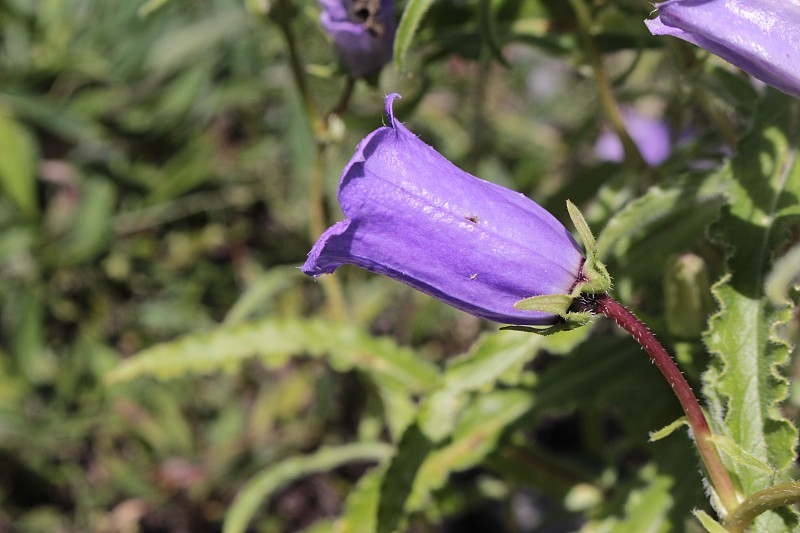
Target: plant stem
{"points": [[344, 98], [607, 100], [331, 285], [697, 421], [761, 501], [298, 72]]}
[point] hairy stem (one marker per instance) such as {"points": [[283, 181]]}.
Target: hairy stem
{"points": [[697, 421], [763, 500]]}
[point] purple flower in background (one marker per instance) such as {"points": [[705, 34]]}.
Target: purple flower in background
{"points": [[650, 135], [363, 31], [415, 217], [762, 37]]}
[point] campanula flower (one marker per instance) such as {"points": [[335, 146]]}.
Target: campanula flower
{"points": [[414, 216], [762, 37], [363, 31], [651, 136]]}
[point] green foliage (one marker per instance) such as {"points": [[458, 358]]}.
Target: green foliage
{"points": [[165, 166], [259, 488], [407, 28], [17, 159], [745, 383]]}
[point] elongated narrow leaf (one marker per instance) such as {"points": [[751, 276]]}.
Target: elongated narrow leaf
{"points": [[482, 366], [91, 230], [261, 292], [659, 204], [711, 525], [361, 507], [258, 489], [744, 384], [409, 23], [488, 32], [412, 450], [785, 274], [397, 371], [646, 508], [475, 437], [275, 340], [17, 164]]}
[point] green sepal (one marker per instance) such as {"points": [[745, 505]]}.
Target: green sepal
{"points": [[571, 320], [594, 280], [596, 277], [555, 304]]}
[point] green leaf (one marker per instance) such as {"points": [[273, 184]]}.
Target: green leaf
{"points": [[646, 508], [659, 204], [711, 525], [182, 45], [487, 28], [473, 439], [480, 368], [397, 371], [261, 292], [741, 456], [360, 508], [785, 274], [274, 340], [744, 384], [91, 230], [150, 7], [409, 24], [412, 450], [668, 430], [258, 490], [17, 164]]}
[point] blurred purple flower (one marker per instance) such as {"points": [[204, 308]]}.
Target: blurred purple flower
{"points": [[762, 37], [414, 216], [363, 31], [650, 135]]}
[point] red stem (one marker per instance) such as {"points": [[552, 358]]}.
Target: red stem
{"points": [[697, 421]]}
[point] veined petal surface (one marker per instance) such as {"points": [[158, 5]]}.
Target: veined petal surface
{"points": [[415, 217]]}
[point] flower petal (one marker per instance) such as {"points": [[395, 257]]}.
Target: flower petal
{"points": [[361, 51], [762, 37], [415, 217]]}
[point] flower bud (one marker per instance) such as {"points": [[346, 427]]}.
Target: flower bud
{"points": [[363, 31]]}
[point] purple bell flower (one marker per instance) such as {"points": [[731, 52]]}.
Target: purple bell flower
{"points": [[762, 37], [414, 216], [650, 135], [363, 31]]}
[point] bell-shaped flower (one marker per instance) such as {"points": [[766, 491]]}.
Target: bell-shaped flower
{"points": [[414, 216], [651, 136], [363, 31], [762, 37]]}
